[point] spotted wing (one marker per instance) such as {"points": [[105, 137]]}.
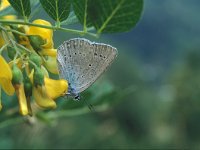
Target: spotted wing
{"points": [[81, 62]]}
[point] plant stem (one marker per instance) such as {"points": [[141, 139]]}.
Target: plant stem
{"points": [[48, 27], [11, 30], [32, 63], [85, 18], [13, 43], [15, 31], [24, 48], [3, 47], [74, 112]]}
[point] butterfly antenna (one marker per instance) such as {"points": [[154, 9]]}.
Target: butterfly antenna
{"points": [[90, 106]]}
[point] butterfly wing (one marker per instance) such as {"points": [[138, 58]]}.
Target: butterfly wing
{"points": [[61, 63], [102, 56], [72, 59], [81, 62]]}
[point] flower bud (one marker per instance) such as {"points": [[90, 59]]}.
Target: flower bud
{"points": [[38, 77], [27, 86], [51, 64], [36, 42], [20, 29], [36, 59], [17, 75], [11, 52]]}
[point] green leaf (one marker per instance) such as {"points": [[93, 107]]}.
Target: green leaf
{"points": [[80, 9], [23, 7], [109, 16], [57, 9], [36, 7], [72, 19]]}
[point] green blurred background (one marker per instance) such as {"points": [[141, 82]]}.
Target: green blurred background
{"points": [[149, 97]]}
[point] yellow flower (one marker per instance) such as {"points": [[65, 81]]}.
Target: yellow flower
{"points": [[41, 97], [55, 88], [23, 106], [51, 64], [49, 44], [18, 84], [39, 90], [45, 94], [44, 44], [4, 4], [49, 52], [6, 77], [9, 17], [45, 34], [50, 61]]}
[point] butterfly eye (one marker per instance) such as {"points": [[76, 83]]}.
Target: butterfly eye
{"points": [[77, 98], [90, 65]]}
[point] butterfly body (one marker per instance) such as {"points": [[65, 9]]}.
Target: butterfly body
{"points": [[73, 93], [81, 62]]}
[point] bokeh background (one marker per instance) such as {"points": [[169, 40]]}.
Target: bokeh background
{"points": [[150, 95]]}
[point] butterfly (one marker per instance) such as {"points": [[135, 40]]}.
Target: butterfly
{"points": [[81, 62]]}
